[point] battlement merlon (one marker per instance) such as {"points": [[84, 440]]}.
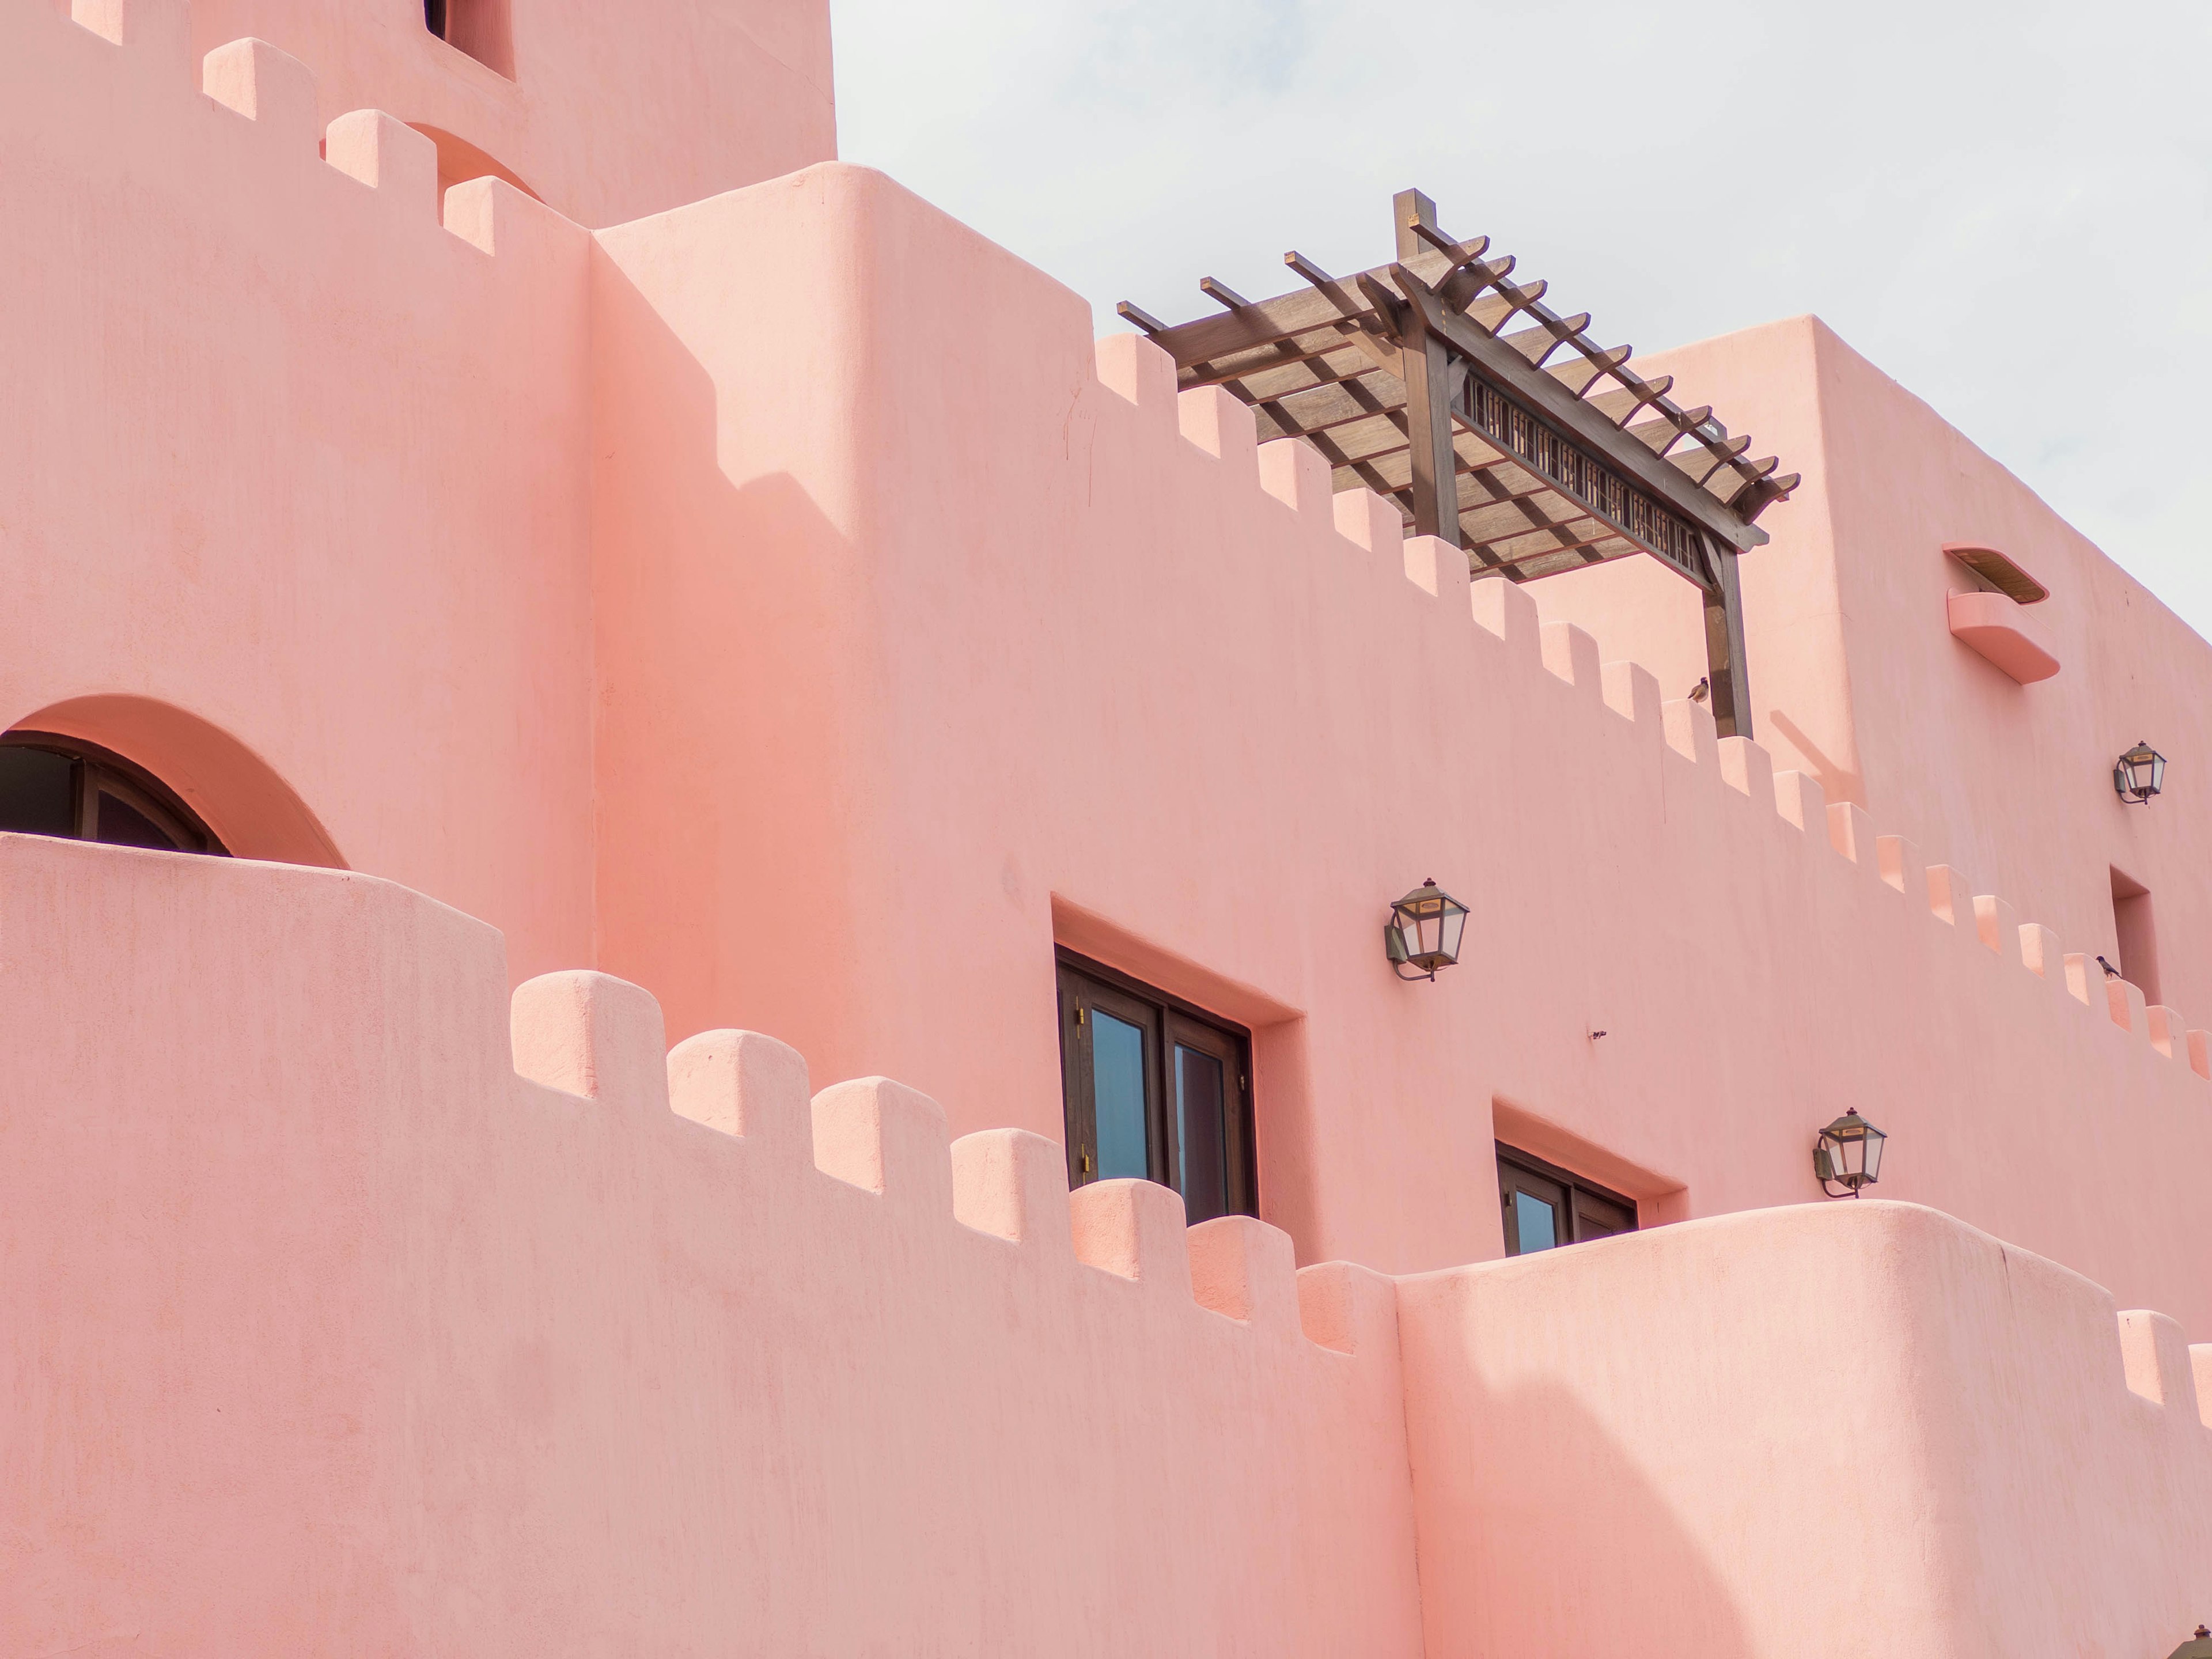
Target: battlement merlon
{"points": [[606, 115]]}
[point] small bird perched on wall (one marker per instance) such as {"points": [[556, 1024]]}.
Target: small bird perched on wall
{"points": [[2110, 972], [1702, 689]]}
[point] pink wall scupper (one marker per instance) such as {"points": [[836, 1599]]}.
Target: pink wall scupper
{"points": [[348, 1308]]}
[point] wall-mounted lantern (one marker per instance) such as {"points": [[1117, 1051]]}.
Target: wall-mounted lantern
{"points": [[1848, 1154], [2139, 774], [1424, 932], [2198, 1647]]}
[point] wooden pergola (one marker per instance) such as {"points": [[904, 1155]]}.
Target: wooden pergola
{"points": [[1493, 421]]}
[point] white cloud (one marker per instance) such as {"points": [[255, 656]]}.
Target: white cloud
{"points": [[2008, 207]]}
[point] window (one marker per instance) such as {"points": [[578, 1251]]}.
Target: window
{"points": [[2137, 934], [1545, 1205], [1154, 1088], [478, 27], [54, 786]]}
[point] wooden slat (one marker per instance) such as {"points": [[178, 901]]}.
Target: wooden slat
{"points": [[1261, 324], [1487, 313], [1535, 570], [1540, 342], [1461, 288], [1661, 435], [1619, 405], [1580, 373], [1324, 363], [1553, 402]]}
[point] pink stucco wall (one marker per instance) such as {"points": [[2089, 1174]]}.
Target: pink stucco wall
{"points": [[322, 1331], [345, 1308], [1839, 1430], [1038, 656], [1856, 681], [779, 601], [609, 111], [303, 464]]}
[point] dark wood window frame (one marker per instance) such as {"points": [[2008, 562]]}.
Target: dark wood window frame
{"points": [[1585, 1209], [97, 772], [1168, 1022]]}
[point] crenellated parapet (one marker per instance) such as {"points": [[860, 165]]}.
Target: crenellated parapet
{"points": [[276, 93], [496, 1335], [590, 1035], [353, 1304], [1290, 471]]}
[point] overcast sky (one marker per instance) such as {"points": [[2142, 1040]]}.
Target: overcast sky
{"points": [[2007, 206]]}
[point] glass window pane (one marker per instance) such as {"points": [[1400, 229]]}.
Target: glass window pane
{"points": [[122, 824], [1532, 1218], [1201, 1135], [35, 798], [1117, 1084]]}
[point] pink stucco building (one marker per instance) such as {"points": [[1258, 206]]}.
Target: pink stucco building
{"points": [[663, 622]]}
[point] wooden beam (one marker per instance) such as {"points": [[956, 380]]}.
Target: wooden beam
{"points": [[1141, 318], [1428, 434], [1726, 668], [1262, 322], [1555, 402], [1414, 213], [1222, 293]]}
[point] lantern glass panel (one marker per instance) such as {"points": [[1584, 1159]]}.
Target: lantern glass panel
{"points": [[1870, 1160], [1455, 926], [2141, 773]]}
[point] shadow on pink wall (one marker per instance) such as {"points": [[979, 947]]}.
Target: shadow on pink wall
{"points": [[238, 794]]}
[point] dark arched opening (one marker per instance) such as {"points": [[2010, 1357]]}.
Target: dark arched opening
{"points": [[51, 785]]}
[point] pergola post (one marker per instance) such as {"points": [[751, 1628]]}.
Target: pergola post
{"points": [[1427, 360], [1725, 669]]}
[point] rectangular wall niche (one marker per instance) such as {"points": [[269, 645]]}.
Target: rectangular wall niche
{"points": [[2137, 934], [481, 28]]}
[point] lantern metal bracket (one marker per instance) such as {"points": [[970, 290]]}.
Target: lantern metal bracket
{"points": [[1848, 1131], [1423, 933]]}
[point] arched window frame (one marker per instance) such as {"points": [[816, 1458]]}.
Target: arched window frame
{"points": [[96, 771]]}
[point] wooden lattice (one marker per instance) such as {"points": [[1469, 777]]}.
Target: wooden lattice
{"points": [[1562, 455]]}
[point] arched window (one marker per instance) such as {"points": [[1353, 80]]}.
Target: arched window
{"points": [[481, 28], [55, 786]]}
